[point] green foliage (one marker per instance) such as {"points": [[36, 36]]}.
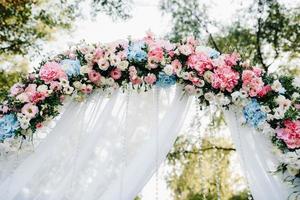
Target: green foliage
{"points": [[6, 81], [264, 33]]}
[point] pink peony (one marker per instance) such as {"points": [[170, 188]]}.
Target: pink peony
{"points": [[225, 78], [30, 110], [231, 59], [116, 74], [94, 76], [200, 62], [252, 83], [51, 71], [16, 89], [150, 79], [290, 134]]}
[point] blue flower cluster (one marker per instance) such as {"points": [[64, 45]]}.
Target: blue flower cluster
{"points": [[165, 80], [71, 67], [213, 54], [8, 125], [135, 52], [253, 113]]}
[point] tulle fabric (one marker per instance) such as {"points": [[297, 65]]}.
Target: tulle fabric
{"points": [[101, 149], [258, 160]]}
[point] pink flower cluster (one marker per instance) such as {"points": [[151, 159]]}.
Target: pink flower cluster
{"points": [[155, 56], [29, 94], [225, 78], [51, 71], [200, 62], [252, 81], [290, 134]]}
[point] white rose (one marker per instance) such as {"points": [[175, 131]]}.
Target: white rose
{"points": [[296, 82], [77, 84], [114, 60], [22, 97], [209, 96], [168, 70], [103, 64], [123, 65], [109, 81], [42, 88], [185, 75], [235, 96], [277, 87], [84, 69]]}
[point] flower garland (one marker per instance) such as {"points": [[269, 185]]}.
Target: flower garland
{"points": [[269, 103]]}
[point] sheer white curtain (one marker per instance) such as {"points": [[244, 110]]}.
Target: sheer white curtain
{"points": [[102, 149], [258, 160]]}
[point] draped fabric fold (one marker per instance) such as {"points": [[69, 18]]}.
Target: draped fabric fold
{"points": [[104, 148], [258, 161]]}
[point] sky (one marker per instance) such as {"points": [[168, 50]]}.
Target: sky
{"points": [[145, 16]]}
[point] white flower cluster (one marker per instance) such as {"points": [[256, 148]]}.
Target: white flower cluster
{"points": [[292, 159]]}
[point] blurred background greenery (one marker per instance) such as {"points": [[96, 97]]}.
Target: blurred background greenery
{"points": [[265, 32]]}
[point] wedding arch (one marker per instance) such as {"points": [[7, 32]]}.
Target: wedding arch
{"points": [[102, 117]]}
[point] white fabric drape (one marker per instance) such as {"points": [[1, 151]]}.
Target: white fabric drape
{"points": [[257, 159], [102, 149]]}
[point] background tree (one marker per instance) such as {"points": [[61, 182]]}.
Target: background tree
{"points": [[266, 32], [26, 23]]}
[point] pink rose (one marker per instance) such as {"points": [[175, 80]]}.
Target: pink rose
{"points": [[156, 54], [87, 89], [136, 80], [94, 76], [30, 110], [297, 106], [290, 134], [177, 66], [39, 125], [265, 90], [54, 85], [51, 71], [150, 79], [116, 74]]}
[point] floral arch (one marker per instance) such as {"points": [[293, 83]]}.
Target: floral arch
{"points": [[268, 103]]}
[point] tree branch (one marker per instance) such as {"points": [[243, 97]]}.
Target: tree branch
{"points": [[258, 35], [202, 150]]}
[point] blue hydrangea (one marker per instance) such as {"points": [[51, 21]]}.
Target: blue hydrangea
{"points": [[8, 125], [165, 80], [71, 67], [213, 54], [253, 113], [135, 52]]}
